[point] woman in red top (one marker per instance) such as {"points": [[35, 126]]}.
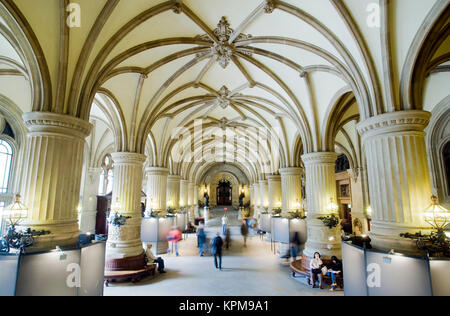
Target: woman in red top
{"points": [[174, 237]]}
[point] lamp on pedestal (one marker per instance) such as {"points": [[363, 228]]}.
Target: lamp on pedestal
{"points": [[13, 215]]}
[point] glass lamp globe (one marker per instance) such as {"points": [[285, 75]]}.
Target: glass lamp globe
{"points": [[332, 207], [436, 215], [15, 212]]}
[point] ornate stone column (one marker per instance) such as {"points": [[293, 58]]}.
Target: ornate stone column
{"points": [[398, 175], [291, 184], [320, 189], [124, 247], [191, 201], [89, 206], [184, 193], [274, 192], [157, 189], [358, 208], [53, 163], [173, 191]]}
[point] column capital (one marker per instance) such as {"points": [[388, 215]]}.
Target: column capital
{"points": [[291, 171], [396, 122], [174, 177], [320, 158], [274, 178], [52, 123], [157, 171], [128, 158]]}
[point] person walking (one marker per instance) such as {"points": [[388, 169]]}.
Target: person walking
{"points": [[244, 232], [174, 237], [151, 259], [201, 237], [216, 245], [224, 224], [228, 239]]}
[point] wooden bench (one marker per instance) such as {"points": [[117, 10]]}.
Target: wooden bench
{"points": [[301, 267], [135, 276]]}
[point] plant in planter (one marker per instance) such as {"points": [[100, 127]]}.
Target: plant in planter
{"points": [[297, 214], [170, 211], [276, 212], [118, 220], [331, 221]]}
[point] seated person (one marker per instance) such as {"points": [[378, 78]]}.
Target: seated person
{"points": [[151, 259], [316, 266], [334, 272]]}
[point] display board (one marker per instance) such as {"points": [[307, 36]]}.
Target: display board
{"points": [[440, 277], [354, 267], [181, 221], [280, 230], [377, 273], [156, 229], [48, 274], [399, 275], [92, 269], [9, 265], [265, 223]]}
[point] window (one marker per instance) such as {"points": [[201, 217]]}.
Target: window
{"points": [[446, 154], [6, 155], [2, 226], [107, 176]]}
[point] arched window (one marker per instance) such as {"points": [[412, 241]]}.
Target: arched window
{"points": [[107, 176], [6, 156], [446, 156]]}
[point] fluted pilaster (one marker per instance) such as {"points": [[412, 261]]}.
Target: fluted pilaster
{"points": [[291, 184], [89, 206], [320, 189], [157, 189], [257, 194], [274, 192], [52, 176], [264, 193], [191, 201], [398, 174], [173, 191], [125, 241], [184, 193]]}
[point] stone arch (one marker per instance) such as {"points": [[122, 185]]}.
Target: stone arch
{"points": [[438, 135]]}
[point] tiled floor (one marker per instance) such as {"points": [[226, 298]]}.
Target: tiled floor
{"points": [[251, 271]]}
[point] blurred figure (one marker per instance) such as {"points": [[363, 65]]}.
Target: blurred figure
{"points": [[224, 224], [151, 259], [244, 232], [201, 238], [228, 239], [216, 245], [295, 246], [200, 227], [174, 237]]}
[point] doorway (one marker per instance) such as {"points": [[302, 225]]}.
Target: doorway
{"points": [[224, 193]]}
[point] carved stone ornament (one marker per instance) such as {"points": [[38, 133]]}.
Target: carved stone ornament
{"points": [[224, 99], [223, 50], [177, 8], [270, 7]]}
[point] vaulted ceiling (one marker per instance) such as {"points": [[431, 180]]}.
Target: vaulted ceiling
{"points": [[307, 71]]}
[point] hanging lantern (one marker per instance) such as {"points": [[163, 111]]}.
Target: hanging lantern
{"points": [[15, 212], [436, 215]]}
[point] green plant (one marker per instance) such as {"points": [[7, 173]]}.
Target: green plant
{"points": [[296, 214], [331, 221], [276, 211]]}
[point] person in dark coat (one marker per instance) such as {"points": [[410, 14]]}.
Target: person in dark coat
{"points": [[216, 247], [244, 232]]}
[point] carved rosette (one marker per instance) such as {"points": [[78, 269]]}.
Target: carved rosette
{"points": [[270, 6]]}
